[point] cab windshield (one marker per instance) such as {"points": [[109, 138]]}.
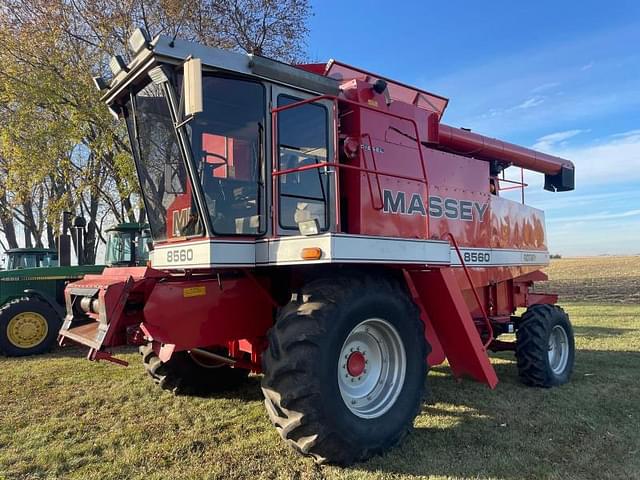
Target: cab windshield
{"points": [[169, 202], [226, 142]]}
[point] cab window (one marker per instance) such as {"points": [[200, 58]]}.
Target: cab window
{"points": [[303, 141]]}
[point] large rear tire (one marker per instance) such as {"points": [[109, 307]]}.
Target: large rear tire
{"points": [[184, 374], [345, 371], [28, 326], [545, 347]]}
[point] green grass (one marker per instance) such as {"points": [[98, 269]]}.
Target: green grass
{"points": [[65, 417]]}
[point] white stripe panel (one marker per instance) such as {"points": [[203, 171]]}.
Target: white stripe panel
{"points": [[336, 248], [352, 249], [205, 254], [496, 257]]}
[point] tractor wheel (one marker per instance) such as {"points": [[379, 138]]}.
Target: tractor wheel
{"points": [[185, 373], [545, 348], [345, 371], [28, 326]]}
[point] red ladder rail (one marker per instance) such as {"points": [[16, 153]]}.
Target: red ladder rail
{"points": [[473, 289]]}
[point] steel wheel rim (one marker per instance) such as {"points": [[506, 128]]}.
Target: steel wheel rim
{"points": [[371, 368], [558, 350], [27, 329]]}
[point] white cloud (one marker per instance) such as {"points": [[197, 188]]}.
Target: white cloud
{"points": [[549, 203], [606, 198], [548, 141], [531, 102], [626, 134], [545, 86], [597, 216], [614, 159], [586, 67]]}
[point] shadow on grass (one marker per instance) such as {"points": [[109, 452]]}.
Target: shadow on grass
{"points": [[248, 391], [518, 432], [601, 331], [70, 351]]}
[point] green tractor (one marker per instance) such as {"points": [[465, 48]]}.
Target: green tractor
{"points": [[32, 287]]}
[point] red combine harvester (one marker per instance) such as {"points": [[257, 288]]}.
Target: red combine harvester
{"points": [[320, 225]]}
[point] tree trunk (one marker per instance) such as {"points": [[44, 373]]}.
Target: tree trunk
{"points": [[51, 237]]}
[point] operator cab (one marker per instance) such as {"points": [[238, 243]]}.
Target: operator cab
{"points": [[209, 173], [19, 258], [127, 245]]}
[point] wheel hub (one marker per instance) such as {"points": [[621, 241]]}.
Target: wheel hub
{"points": [[356, 364], [27, 329], [371, 368], [558, 350]]}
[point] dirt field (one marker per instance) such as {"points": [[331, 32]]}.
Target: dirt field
{"points": [[64, 417], [596, 279]]}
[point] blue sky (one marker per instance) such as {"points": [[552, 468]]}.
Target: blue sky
{"points": [[563, 77]]}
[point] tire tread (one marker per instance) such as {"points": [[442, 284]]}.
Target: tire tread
{"points": [[294, 342]]}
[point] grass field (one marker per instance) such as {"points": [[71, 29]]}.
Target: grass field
{"points": [[64, 417]]}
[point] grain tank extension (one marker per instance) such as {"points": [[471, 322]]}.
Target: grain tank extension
{"points": [[320, 225]]}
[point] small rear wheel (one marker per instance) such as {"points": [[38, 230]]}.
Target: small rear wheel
{"points": [[345, 371], [545, 347], [187, 373]]}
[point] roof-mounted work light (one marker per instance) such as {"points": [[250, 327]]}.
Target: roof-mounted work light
{"points": [[117, 65], [100, 83], [138, 40], [158, 75]]}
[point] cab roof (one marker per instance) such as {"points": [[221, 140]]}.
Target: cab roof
{"points": [[128, 227], [31, 250]]}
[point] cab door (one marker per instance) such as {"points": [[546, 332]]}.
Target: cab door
{"points": [[304, 136]]}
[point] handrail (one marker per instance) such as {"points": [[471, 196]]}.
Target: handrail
{"points": [[473, 289], [275, 157], [348, 167], [375, 167], [517, 184], [334, 99]]}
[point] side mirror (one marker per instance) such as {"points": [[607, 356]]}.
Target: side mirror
{"points": [[192, 87]]}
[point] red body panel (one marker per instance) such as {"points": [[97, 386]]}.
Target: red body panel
{"points": [[210, 313], [456, 330]]}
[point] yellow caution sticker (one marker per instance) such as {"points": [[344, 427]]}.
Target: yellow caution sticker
{"points": [[194, 291], [372, 102]]}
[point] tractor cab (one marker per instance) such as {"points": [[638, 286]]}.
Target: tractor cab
{"points": [[19, 258], [127, 245]]}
